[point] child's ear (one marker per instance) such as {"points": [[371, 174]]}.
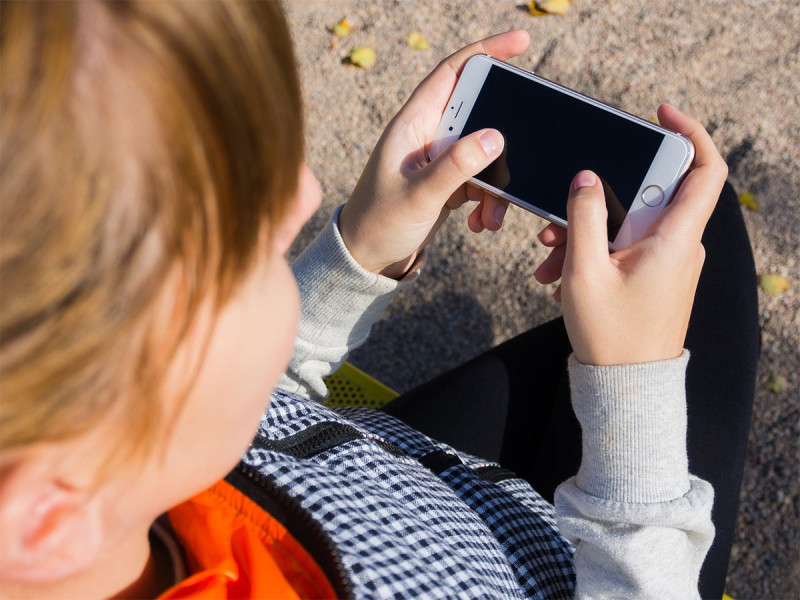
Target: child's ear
{"points": [[50, 529]]}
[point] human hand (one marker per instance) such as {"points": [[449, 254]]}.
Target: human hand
{"points": [[634, 305], [401, 198]]}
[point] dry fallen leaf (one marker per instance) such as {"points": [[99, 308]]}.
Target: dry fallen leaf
{"points": [[776, 383], [749, 201], [774, 284], [417, 42], [541, 8], [363, 57], [341, 29]]}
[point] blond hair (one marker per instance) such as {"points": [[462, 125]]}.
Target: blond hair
{"points": [[139, 140]]}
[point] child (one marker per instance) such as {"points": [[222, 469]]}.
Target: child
{"points": [[152, 180]]}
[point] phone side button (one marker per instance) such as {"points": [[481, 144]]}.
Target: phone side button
{"points": [[652, 195]]}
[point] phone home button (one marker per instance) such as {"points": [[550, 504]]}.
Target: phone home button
{"points": [[652, 195]]}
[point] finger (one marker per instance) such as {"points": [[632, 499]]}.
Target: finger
{"points": [[473, 192], [551, 268], [460, 161], [494, 211], [553, 235], [698, 193], [463, 194], [587, 239], [435, 90], [557, 294], [705, 151], [474, 220]]}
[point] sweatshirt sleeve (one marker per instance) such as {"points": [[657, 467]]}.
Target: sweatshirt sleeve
{"points": [[339, 303], [641, 524]]}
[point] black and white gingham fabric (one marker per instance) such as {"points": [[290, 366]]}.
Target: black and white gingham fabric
{"points": [[404, 530]]}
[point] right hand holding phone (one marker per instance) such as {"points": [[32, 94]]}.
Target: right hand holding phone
{"points": [[633, 306]]}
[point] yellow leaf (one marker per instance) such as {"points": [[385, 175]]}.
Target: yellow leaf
{"points": [[776, 384], [363, 57], [774, 284], [655, 120], [540, 8], [417, 42], [341, 29], [749, 201], [535, 11]]}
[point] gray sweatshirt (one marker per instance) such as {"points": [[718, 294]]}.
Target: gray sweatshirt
{"points": [[641, 524]]}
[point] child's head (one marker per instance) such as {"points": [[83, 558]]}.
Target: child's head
{"points": [[151, 179]]}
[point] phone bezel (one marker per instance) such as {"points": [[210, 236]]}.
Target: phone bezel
{"points": [[672, 161]]}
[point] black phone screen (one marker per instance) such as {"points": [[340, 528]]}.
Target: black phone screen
{"points": [[550, 136]]}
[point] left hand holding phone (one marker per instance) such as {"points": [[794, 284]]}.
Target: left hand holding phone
{"points": [[401, 198], [633, 306]]}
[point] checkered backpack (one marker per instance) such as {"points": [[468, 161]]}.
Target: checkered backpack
{"points": [[389, 513]]}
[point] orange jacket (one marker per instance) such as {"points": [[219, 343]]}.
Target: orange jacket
{"points": [[235, 549]]}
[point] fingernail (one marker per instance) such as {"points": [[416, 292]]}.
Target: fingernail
{"points": [[491, 141], [499, 213], [584, 179]]}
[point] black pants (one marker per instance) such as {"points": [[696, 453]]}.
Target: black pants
{"points": [[512, 403]]}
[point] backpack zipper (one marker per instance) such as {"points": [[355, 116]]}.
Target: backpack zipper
{"points": [[494, 473]]}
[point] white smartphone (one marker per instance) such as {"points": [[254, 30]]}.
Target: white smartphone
{"points": [[551, 133]]}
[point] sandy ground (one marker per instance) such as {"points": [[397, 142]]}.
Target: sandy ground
{"points": [[734, 65]]}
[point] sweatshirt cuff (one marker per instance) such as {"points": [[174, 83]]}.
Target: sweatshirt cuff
{"points": [[633, 419], [340, 299]]}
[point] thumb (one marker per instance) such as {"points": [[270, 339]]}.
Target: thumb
{"points": [[461, 160], [587, 232]]}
